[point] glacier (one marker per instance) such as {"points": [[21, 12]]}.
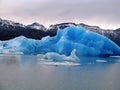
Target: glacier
{"points": [[85, 43]]}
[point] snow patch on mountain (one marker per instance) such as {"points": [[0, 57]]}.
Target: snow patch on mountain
{"points": [[37, 26]]}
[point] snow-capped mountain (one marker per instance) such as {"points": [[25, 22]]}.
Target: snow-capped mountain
{"points": [[36, 25], [62, 25], [9, 24], [10, 29]]}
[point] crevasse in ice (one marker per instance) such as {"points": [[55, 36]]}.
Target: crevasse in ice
{"points": [[86, 43]]}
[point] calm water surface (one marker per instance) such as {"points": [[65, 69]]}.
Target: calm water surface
{"points": [[20, 72]]}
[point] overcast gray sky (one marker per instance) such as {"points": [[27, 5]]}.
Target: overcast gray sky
{"points": [[104, 13]]}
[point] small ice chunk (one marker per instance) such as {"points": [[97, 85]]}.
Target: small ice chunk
{"points": [[57, 57], [61, 63], [102, 61]]}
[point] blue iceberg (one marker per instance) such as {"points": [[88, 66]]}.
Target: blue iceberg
{"points": [[86, 43]]}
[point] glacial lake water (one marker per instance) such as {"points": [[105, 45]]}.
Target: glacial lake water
{"points": [[29, 72]]}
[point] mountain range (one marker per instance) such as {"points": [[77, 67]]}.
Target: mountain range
{"points": [[10, 29]]}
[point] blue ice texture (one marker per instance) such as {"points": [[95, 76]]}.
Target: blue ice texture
{"points": [[71, 39]]}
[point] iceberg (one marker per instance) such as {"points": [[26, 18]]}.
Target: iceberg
{"points": [[85, 43], [57, 57]]}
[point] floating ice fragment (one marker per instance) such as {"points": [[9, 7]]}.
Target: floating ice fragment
{"points": [[57, 57], [102, 61], [61, 63]]}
